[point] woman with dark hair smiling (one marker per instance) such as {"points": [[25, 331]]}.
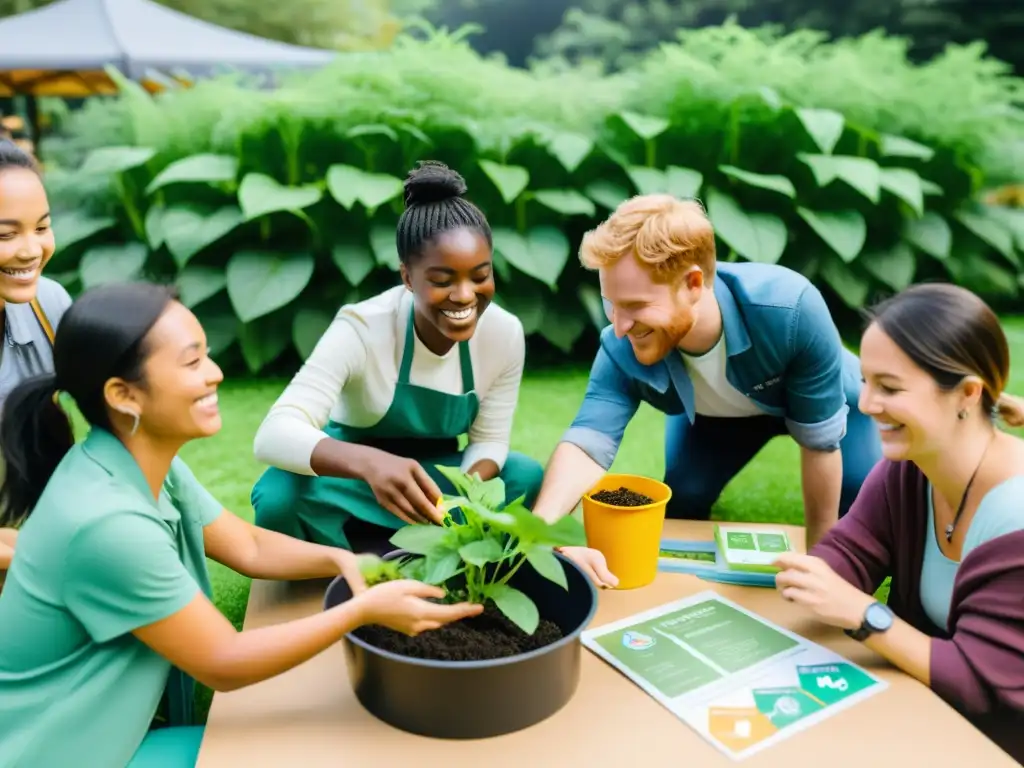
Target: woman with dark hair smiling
{"points": [[109, 595], [942, 513]]}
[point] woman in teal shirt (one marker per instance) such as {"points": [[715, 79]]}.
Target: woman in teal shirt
{"points": [[109, 590]]}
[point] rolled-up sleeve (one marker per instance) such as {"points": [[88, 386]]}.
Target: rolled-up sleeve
{"points": [[816, 409], [608, 406]]}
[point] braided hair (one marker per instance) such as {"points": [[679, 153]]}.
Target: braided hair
{"points": [[434, 204]]}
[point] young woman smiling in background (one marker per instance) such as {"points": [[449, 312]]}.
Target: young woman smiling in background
{"points": [[31, 305]]}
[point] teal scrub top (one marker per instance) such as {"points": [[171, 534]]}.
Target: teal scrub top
{"points": [[98, 558]]}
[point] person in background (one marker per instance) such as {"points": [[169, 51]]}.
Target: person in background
{"points": [[394, 382], [734, 353], [942, 513], [31, 305], [108, 596]]}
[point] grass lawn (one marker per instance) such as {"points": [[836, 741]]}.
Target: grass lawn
{"points": [[768, 490]]}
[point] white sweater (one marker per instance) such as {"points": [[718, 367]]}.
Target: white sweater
{"points": [[351, 374]]}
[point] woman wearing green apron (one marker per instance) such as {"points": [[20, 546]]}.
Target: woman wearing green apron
{"points": [[107, 604], [30, 305], [395, 381]]}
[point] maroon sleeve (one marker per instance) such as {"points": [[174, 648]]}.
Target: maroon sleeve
{"points": [[859, 546], [981, 667]]}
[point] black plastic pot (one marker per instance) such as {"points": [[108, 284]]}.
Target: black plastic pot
{"points": [[429, 697]]}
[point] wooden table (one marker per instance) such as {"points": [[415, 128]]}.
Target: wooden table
{"points": [[309, 717]]}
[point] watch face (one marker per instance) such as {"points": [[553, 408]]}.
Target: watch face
{"points": [[878, 617]]}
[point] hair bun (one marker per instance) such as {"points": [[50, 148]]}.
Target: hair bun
{"points": [[432, 182]]}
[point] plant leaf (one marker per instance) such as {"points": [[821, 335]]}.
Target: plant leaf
{"points": [[354, 260], [203, 168], [348, 184], [519, 608], [510, 180], [771, 182], [850, 287], [76, 226], [644, 126], [547, 565], [112, 264], [371, 129], [606, 194], [419, 538], [260, 282], [107, 160], [825, 126], [682, 182], [759, 237], [308, 326], [385, 250], [186, 229], [263, 341], [990, 230], [648, 181], [590, 298], [562, 325], [482, 552], [843, 231], [906, 185], [897, 146], [893, 266], [860, 173], [542, 254], [441, 565], [260, 195], [567, 202], [197, 284], [570, 149], [930, 233]]}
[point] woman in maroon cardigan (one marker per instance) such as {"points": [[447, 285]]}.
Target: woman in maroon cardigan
{"points": [[942, 513]]}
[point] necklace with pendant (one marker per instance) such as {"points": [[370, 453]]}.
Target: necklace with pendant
{"points": [[963, 499]]}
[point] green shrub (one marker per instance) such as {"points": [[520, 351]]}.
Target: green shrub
{"points": [[270, 208]]}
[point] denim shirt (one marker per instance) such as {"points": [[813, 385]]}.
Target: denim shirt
{"points": [[783, 352], [26, 349]]}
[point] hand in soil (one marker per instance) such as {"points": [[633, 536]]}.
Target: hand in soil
{"points": [[593, 564], [403, 487], [405, 606], [622, 497]]}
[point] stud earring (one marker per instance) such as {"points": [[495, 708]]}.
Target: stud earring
{"points": [[962, 415]]}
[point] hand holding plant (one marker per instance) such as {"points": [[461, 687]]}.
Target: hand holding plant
{"points": [[404, 488], [410, 607]]}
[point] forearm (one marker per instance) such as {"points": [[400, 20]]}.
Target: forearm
{"points": [[569, 474], [905, 647], [277, 557], [259, 654], [334, 458], [486, 468], [822, 481], [8, 536]]}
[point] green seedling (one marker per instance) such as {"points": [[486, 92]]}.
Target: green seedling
{"points": [[474, 558], [377, 570]]}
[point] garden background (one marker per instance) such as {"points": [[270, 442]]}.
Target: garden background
{"points": [[866, 163]]}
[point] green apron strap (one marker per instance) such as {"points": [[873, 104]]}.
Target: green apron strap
{"points": [[181, 698], [410, 344], [466, 363]]}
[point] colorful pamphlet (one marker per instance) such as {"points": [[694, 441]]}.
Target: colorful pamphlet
{"points": [[737, 555], [739, 681]]}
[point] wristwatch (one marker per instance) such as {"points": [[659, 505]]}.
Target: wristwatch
{"points": [[877, 618]]}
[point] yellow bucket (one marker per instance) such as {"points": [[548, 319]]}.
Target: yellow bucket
{"points": [[628, 537]]}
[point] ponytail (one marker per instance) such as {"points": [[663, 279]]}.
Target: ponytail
{"points": [[1010, 409], [35, 435]]}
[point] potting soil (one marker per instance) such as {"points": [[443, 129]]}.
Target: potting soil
{"points": [[487, 636], [622, 497]]}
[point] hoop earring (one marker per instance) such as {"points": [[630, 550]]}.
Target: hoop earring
{"points": [[135, 416]]}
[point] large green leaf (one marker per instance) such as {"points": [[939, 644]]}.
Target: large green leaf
{"points": [[1012, 219], [674, 180], [570, 149], [848, 285], [542, 253], [204, 168], [989, 229], [260, 195], [260, 282], [547, 565], [112, 264], [843, 231], [197, 284], [385, 249], [648, 181], [978, 274], [906, 185], [76, 226], [510, 180], [519, 608], [562, 325], [606, 193], [263, 342], [757, 237], [354, 259], [567, 202], [220, 325], [372, 129], [683, 182], [893, 266], [825, 126], [860, 173], [187, 229], [644, 126], [348, 184], [116, 159], [930, 233], [590, 298], [897, 146], [771, 182], [308, 326], [527, 302]]}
